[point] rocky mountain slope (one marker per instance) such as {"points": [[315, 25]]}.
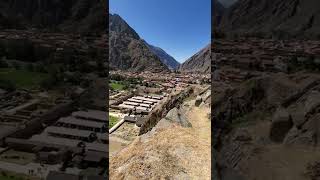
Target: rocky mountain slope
{"points": [[265, 124], [164, 57], [293, 18], [200, 62], [127, 51], [81, 16]]}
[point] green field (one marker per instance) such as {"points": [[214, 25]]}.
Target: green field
{"points": [[116, 86], [112, 121], [22, 78], [4, 178]]}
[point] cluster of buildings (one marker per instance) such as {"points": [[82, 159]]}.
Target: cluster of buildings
{"points": [[50, 129], [239, 60], [41, 45], [141, 104], [167, 81], [86, 127], [20, 111]]}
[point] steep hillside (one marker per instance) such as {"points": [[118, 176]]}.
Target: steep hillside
{"points": [[200, 62], [178, 147], [164, 57], [127, 51], [81, 16], [268, 125], [290, 18]]}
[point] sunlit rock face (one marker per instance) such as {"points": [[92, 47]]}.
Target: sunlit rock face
{"points": [[200, 62]]}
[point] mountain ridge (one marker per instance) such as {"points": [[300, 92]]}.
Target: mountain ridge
{"points": [[273, 18], [166, 58], [199, 62], [127, 51]]}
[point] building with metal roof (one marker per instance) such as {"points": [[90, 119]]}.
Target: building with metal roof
{"points": [[93, 115], [83, 135], [82, 124]]}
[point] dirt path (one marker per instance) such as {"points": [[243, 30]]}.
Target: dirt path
{"points": [[201, 130], [201, 124]]}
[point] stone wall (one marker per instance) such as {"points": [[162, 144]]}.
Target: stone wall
{"points": [[35, 125], [174, 100]]}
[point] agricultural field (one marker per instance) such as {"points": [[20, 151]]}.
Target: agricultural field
{"points": [[21, 78]]}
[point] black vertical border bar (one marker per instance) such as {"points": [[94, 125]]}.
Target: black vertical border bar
{"points": [[212, 29], [107, 69], [214, 172]]}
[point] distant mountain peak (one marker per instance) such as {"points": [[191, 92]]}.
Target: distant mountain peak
{"points": [[119, 25], [167, 59]]}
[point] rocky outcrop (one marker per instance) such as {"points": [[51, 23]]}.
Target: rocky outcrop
{"points": [[264, 94], [161, 111], [200, 62], [281, 124], [290, 102], [176, 116]]}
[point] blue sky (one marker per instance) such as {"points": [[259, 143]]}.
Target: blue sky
{"points": [[180, 27]]}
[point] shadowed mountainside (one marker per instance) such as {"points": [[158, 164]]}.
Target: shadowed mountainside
{"points": [[164, 57], [128, 51], [76, 16], [276, 18]]}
